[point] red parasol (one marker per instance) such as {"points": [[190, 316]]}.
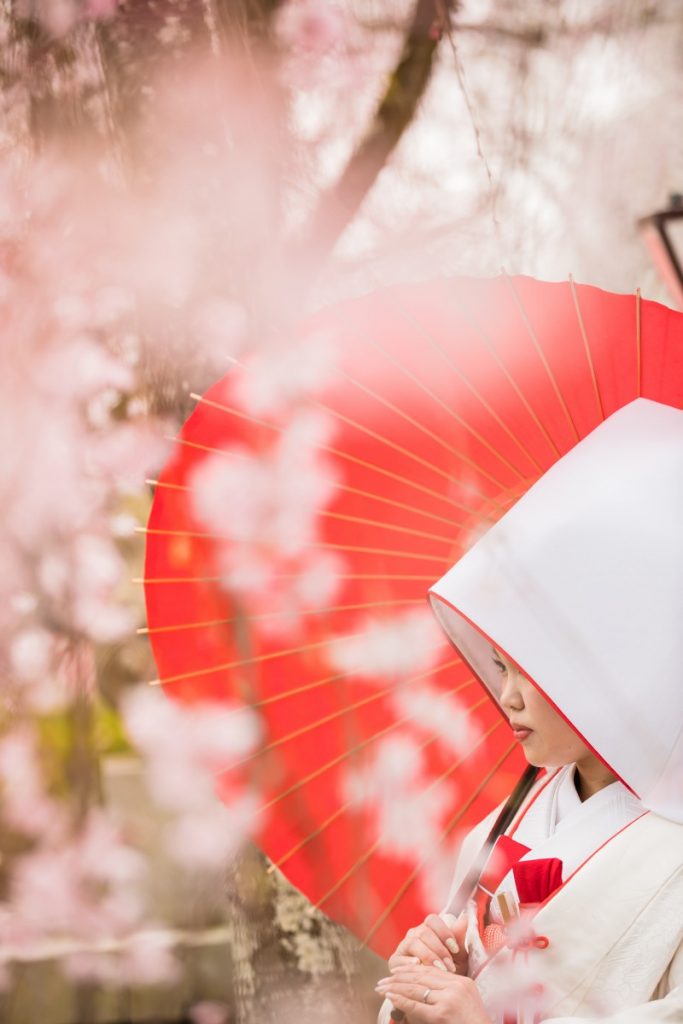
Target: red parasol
{"points": [[448, 399]]}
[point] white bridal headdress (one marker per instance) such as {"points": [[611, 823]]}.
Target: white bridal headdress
{"points": [[581, 585]]}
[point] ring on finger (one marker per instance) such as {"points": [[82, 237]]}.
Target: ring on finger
{"points": [[427, 993]]}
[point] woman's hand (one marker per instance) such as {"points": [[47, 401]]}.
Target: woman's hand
{"points": [[451, 999], [438, 941]]}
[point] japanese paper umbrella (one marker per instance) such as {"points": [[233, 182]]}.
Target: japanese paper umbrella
{"points": [[296, 529]]}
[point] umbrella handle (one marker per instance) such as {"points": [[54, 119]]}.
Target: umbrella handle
{"points": [[469, 883], [506, 816]]}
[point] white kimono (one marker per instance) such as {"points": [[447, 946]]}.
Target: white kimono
{"points": [[614, 930], [615, 927]]}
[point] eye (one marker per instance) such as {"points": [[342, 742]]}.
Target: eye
{"points": [[499, 665]]}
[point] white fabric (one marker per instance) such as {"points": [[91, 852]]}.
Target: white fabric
{"points": [[558, 824], [581, 585], [615, 930]]}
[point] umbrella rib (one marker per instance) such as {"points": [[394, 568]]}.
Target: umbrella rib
{"points": [[310, 726], [281, 576], [586, 345], [506, 373], [333, 817], [257, 658], [398, 896], [639, 365], [368, 853], [542, 356], [327, 545], [396, 504], [366, 430], [339, 486], [436, 437], [341, 454], [343, 516], [317, 772], [435, 398], [472, 463], [149, 630], [474, 390]]}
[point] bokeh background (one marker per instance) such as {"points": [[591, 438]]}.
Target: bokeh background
{"points": [[179, 181]]}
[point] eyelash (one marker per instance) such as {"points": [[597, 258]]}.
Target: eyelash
{"points": [[500, 666]]}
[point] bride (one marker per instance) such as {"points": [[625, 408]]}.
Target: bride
{"points": [[570, 612]]}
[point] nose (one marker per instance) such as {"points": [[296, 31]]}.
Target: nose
{"points": [[510, 695]]}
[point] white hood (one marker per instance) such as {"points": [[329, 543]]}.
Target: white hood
{"points": [[581, 585]]}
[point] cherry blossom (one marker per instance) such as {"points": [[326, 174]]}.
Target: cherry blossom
{"points": [[381, 649]]}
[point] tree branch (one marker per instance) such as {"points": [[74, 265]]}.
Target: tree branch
{"points": [[338, 206]]}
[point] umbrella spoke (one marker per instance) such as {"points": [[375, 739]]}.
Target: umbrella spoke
{"points": [[451, 412], [428, 336], [398, 896], [376, 695], [589, 357], [258, 658], [542, 356], [383, 471], [435, 398], [368, 853], [472, 463], [207, 535], [352, 751], [150, 630], [506, 373], [340, 810]]}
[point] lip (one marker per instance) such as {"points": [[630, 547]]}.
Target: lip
{"points": [[520, 733]]}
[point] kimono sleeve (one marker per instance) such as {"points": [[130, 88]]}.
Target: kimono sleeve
{"points": [[666, 1009]]}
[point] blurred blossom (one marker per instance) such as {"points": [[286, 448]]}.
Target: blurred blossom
{"points": [[312, 27], [148, 959], [75, 887], [437, 714], [391, 787], [59, 16], [276, 593], [407, 643], [209, 1012], [265, 512], [210, 835], [280, 374], [31, 653], [184, 747], [220, 325], [24, 805]]}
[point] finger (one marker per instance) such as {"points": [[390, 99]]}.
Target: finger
{"points": [[422, 951], [427, 978], [416, 1011], [438, 951], [443, 932], [402, 960]]}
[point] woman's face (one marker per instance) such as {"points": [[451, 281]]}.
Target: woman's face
{"points": [[546, 739]]}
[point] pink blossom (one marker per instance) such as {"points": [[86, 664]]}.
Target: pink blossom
{"points": [[407, 643], [278, 375], [31, 653], [270, 502], [437, 714], [312, 27], [208, 836], [391, 785], [209, 1012], [148, 959]]}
